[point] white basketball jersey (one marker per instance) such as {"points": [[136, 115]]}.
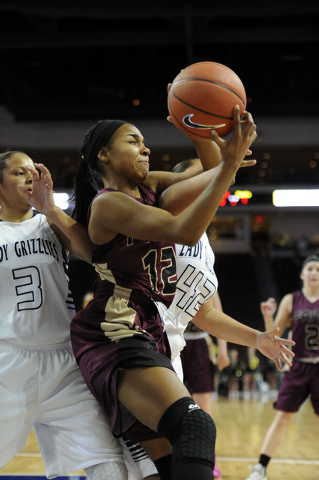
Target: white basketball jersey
{"points": [[196, 284], [36, 304]]}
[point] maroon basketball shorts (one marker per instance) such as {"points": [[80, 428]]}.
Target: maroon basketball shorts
{"points": [[196, 366], [299, 383], [100, 357]]}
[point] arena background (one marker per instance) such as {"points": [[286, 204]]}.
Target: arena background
{"points": [[66, 64]]}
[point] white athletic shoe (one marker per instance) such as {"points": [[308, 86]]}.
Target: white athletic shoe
{"points": [[259, 473]]}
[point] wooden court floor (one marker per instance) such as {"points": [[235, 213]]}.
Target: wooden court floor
{"points": [[241, 426]]}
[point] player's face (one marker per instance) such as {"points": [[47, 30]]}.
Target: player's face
{"points": [[310, 274], [128, 156], [16, 174]]}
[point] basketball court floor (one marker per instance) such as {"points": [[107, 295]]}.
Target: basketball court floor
{"points": [[241, 426]]}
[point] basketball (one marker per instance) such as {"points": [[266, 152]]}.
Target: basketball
{"points": [[202, 97]]}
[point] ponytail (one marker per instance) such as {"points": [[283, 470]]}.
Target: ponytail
{"points": [[87, 180], [85, 189]]}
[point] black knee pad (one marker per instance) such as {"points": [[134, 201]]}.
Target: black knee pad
{"points": [[163, 466], [191, 431]]}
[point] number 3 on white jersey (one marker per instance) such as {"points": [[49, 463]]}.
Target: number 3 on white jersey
{"points": [[28, 288]]}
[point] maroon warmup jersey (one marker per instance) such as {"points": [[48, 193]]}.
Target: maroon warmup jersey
{"points": [[305, 326]]}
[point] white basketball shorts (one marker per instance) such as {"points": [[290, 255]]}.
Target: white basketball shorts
{"points": [[44, 389]]}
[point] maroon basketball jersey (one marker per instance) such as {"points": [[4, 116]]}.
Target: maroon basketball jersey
{"points": [[305, 326], [146, 266]]}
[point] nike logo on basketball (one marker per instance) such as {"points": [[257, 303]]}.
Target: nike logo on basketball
{"points": [[187, 121]]}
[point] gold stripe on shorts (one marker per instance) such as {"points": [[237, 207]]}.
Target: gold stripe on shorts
{"points": [[119, 319]]}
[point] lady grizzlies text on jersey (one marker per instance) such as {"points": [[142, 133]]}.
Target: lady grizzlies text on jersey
{"points": [[28, 281]]}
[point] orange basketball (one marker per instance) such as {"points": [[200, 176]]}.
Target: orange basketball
{"points": [[203, 96]]}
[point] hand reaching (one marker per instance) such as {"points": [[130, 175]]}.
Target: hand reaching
{"points": [[235, 149], [272, 346], [269, 307], [41, 197], [222, 361]]}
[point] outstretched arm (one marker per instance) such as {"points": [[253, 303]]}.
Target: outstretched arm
{"points": [[222, 326], [71, 234]]}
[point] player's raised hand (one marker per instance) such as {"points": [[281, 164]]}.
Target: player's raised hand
{"points": [[41, 196], [268, 308], [235, 149]]}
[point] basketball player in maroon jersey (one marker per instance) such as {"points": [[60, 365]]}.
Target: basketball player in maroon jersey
{"points": [[300, 310], [118, 339]]}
